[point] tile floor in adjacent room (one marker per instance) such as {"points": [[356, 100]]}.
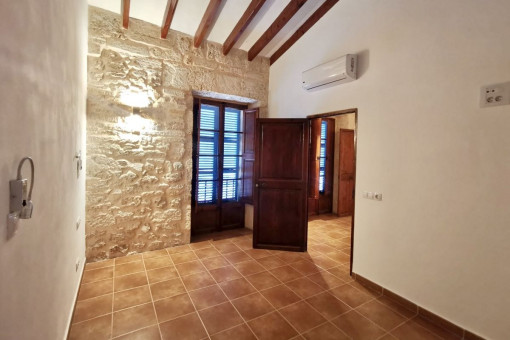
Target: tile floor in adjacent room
{"points": [[222, 288]]}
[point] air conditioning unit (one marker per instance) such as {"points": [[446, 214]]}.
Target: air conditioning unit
{"points": [[340, 70]]}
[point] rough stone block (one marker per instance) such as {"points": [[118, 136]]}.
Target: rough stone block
{"points": [[139, 178]]}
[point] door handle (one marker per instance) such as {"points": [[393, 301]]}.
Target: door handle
{"points": [[259, 184]]}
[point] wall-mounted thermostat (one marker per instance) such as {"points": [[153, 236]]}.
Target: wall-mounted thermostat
{"points": [[495, 95]]}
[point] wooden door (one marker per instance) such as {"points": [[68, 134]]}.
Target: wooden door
{"points": [[346, 171], [280, 195]]}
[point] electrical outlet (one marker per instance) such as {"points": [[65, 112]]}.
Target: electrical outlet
{"points": [[77, 265], [372, 195], [495, 95], [78, 222]]}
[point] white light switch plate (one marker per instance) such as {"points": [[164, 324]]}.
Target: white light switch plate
{"points": [[372, 195], [495, 95]]}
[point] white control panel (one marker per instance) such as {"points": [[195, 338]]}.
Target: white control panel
{"points": [[372, 195], [495, 95]]}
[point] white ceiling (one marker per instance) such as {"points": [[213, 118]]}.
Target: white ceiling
{"points": [[189, 14]]}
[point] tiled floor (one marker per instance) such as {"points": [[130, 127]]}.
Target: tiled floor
{"points": [[222, 288]]}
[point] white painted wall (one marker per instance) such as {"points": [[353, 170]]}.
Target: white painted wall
{"points": [[42, 94], [441, 235]]}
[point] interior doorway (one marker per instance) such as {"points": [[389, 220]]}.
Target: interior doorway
{"points": [[277, 222], [332, 168]]}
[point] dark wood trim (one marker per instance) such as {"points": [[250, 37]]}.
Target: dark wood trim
{"points": [[290, 10], [170, 11], [125, 13], [319, 13], [422, 313], [338, 113], [248, 155], [233, 105], [471, 336], [355, 170], [207, 21], [194, 150], [273, 247], [332, 113], [250, 13]]}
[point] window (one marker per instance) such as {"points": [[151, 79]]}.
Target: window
{"points": [[322, 155], [231, 153], [219, 153]]}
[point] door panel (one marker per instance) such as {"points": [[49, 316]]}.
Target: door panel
{"points": [[232, 215], [280, 195], [247, 193], [279, 207], [346, 173], [280, 151], [250, 118]]}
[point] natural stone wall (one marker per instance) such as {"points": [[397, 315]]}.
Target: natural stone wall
{"points": [[139, 167]]}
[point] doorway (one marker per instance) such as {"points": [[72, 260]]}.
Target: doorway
{"points": [[332, 169], [282, 182]]}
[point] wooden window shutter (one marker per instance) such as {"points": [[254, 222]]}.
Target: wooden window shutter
{"points": [[315, 149], [330, 156], [249, 120]]}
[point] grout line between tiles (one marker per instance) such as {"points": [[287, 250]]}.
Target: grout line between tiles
{"points": [[189, 297], [229, 300], [275, 309], [326, 240], [152, 298]]}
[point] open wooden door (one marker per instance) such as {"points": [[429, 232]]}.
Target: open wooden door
{"points": [[281, 174], [346, 173]]}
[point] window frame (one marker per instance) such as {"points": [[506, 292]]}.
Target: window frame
{"points": [[218, 200]]}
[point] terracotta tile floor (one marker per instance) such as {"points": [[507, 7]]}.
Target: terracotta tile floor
{"points": [[219, 287]]}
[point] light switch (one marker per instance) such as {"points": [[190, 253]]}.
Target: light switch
{"points": [[372, 195]]}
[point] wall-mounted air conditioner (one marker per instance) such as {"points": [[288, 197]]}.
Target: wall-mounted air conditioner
{"points": [[340, 70]]}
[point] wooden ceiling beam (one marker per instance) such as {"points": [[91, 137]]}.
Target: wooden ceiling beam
{"points": [[290, 10], [206, 23], [125, 13], [319, 13], [249, 14], [170, 11]]}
